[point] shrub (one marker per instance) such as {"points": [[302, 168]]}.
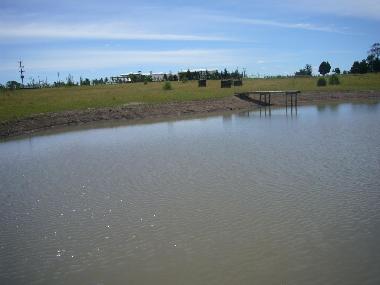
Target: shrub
{"points": [[321, 82], [167, 86], [13, 85], [334, 80]]}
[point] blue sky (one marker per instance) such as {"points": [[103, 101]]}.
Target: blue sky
{"points": [[103, 38]]}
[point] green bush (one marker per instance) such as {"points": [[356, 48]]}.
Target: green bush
{"points": [[321, 82], [334, 80], [167, 86]]}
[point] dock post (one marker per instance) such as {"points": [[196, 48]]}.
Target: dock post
{"points": [[286, 100], [291, 100], [269, 98], [296, 99]]}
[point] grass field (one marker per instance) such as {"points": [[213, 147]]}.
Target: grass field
{"points": [[23, 103]]}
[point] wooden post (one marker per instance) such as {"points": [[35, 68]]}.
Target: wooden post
{"points": [[291, 100], [296, 99], [269, 98], [286, 100]]}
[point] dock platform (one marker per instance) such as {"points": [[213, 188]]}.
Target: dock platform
{"points": [[264, 97]]}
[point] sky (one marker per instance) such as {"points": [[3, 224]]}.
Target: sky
{"points": [[93, 39]]}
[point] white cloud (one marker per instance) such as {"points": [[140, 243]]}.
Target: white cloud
{"points": [[109, 31], [278, 24], [96, 59]]}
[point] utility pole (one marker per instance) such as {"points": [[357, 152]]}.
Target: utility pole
{"points": [[22, 71]]}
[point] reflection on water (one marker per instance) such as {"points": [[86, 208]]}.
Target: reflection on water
{"points": [[233, 199]]}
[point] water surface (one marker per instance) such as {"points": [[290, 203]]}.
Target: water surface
{"points": [[234, 199]]}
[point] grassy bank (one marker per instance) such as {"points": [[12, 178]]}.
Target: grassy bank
{"points": [[23, 103]]}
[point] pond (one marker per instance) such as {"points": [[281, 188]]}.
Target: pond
{"points": [[244, 198]]}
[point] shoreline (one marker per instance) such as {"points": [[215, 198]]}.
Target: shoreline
{"points": [[175, 110]]}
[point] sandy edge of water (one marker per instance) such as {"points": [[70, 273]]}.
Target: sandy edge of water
{"points": [[136, 112]]}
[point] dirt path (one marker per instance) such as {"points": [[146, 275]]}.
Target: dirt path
{"points": [[136, 112]]}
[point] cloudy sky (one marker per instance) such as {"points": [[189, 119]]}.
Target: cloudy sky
{"points": [[103, 38]]}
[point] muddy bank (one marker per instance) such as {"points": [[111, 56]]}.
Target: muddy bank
{"points": [[136, 112], [128, 113]]}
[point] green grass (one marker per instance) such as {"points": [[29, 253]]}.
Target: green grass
{"points": [[24, 103]]}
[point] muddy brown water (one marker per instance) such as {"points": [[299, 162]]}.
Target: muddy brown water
{"points": [[236, 199]]}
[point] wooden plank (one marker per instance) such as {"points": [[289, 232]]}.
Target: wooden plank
{"points": [[275, 92]]}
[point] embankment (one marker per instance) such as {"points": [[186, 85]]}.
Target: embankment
{"points": [[134, 112]]}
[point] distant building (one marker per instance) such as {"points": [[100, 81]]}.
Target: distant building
{"points": [[210, 71], [156, 76], [161, 76], [122, 78], [128, 77]]}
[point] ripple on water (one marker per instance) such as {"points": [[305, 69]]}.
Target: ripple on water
{"points": [[262, 200]]}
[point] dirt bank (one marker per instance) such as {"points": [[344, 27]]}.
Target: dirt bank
{"points": [[135, 112]]}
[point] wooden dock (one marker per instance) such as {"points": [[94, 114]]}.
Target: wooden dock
{"points": [[264, 97]]}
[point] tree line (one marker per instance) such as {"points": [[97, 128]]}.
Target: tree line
{"points": [[211, 75], [67, 83], [370, 64]]}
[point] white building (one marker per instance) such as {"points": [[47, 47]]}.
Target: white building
{"points": [[156, 76]]}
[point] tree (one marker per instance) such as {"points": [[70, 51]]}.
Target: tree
{"points": [[363, 67], [70, 80], [13, 85], [373, 63], [307, 71], [188, 75], [375, 50], [86, 82], [355, 68], [376, 65], [359, 67], [225, 74], [324, 68], [336, 70]]}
